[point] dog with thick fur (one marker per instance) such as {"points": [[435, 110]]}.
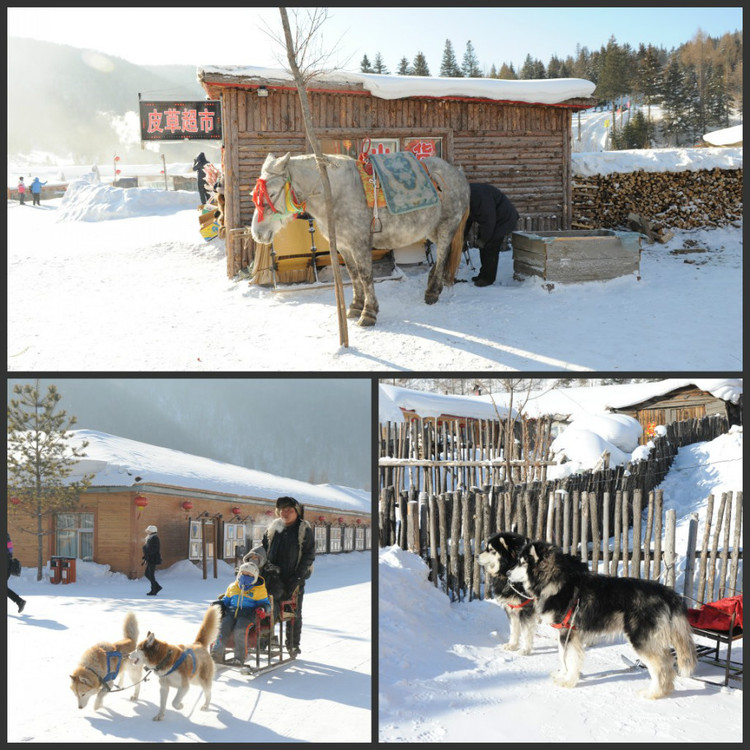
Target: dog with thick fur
{"points": [[583, 605], [104, 663], [499, 554], [179, 666]]}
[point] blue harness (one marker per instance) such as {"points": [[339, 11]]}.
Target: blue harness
{"points": [[112, 671], [181, 658]]}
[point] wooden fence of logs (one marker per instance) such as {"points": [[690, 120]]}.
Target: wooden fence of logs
{"points": [[678, 200]]}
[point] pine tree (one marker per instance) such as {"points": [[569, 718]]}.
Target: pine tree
{"points": [[532, 69], [41, 460], [649, 76], [507, 73], [717, 101], [672, 102], [554, 67], [448, 66], [493, 72], [470, 65], [614, 80], [404, 69], [364, 66], [379, 66], [420, 65]]}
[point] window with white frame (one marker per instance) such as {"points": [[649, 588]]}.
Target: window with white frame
{"points": [[74, 535]]}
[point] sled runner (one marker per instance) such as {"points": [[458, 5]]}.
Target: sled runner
{"points": [[263, 649]]}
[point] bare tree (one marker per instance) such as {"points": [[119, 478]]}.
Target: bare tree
{"points": [[305, 62]]}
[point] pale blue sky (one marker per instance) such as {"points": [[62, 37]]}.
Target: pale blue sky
{"points": [[228, 36]]}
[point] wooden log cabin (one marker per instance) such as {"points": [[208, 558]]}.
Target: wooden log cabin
{"points": [[513, 134]]}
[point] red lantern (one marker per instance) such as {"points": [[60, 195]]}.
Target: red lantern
{"points": [[236, 511], [15, 500], [117, 158], [140, 501], [321, 518], [187, 505], [359, 520]]}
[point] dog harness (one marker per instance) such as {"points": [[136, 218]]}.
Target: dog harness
{"points": [[566, 622], [112, 671], [518, 606], [180, 659]]}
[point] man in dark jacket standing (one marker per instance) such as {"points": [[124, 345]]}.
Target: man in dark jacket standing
{"points": [[152, 558], [495, 217], [12, 595], [290, 544]]}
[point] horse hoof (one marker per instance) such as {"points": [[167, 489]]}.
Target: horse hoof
{"points": [[354, 312], [366, 320], [431, 299]]}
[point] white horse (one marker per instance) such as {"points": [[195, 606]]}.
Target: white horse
{"points": [[289, 184]]}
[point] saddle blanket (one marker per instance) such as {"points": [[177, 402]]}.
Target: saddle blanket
{"points": [[404, 182], [369, 187]]}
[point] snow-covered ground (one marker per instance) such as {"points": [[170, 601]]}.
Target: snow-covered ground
{"points": [[101, 281], [444, 677], [323, 696]]}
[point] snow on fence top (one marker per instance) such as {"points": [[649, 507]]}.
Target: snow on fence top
{"points": [[117, 461], [542, 91]]}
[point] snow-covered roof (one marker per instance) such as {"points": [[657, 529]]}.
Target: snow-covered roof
{"points": [[576, 402], [587, 400], [394, 398], [121, 462], [541, 91], [725, 137]]}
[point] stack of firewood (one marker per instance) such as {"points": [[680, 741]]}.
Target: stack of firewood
{"points": [[677, 200]]}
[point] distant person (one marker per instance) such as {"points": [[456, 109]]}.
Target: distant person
{"points": [[12, 595], [495, 217], [97, 174], [152, 558], [36, 191], [199, 166], [21, 191], [290, 544]]}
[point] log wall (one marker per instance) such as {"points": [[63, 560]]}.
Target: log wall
{"points": [[524, 149]]}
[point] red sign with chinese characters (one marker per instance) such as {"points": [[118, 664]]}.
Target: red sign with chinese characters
{"points": [[180, 121]]}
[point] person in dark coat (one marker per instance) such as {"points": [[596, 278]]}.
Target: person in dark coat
{"points": [[495, 216], [152, 558], [289, 542], [199, 166], [12, 595]]}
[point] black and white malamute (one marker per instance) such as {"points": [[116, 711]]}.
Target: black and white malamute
{"points": [[583, 605], [499, 554]]}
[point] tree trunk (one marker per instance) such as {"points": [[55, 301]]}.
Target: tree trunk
{"points": [[309, 128]]}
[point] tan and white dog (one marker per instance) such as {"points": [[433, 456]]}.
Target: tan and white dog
{"points": [[104, 663], [178, 666]]}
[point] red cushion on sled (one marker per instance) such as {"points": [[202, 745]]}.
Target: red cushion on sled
{"points": [[717, 615]]}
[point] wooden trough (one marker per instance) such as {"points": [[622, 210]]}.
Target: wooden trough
{"points": [[570, 256]]}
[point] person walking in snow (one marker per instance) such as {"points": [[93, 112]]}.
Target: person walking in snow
{"points": [[21, 191], [152, 558], [12, 595], [495, 216], [290, 544], [36, 191]]}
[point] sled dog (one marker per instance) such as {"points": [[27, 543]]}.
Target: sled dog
{"points": [[583, 605], [178, 666], [104, 663], [499, 554]]}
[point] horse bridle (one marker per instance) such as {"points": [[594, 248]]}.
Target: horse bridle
{"points": [[262, 199]]}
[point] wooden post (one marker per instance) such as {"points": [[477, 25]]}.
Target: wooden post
{"points": [[669, 540], [203, 548], [585, 527], [710, 595], [701, 598], [566, 523], [466, 526], [647, 538], [576, 525], [618, 527], [455, 538], [550, 519], [736, 543], [658, 523], [636, 569], [432, 515], [605, 532], [424, 527], [687, 588], [595, 538], [558, 518], [625, 552], [725, 550], [480, 500], [443, 540], [413, 527]]}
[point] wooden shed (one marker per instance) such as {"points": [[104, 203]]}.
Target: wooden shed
{"points": [[679, 405], [513, 134]]}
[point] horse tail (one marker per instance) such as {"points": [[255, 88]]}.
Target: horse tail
{"points": [[456, 248]]}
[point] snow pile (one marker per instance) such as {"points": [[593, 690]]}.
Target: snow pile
{"points": [[588, 164], [121, 462], [581, 446], [86, 199], [725, 136]]}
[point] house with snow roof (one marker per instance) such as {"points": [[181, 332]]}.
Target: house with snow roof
{"points": [[205, 510], [516, 135]]}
